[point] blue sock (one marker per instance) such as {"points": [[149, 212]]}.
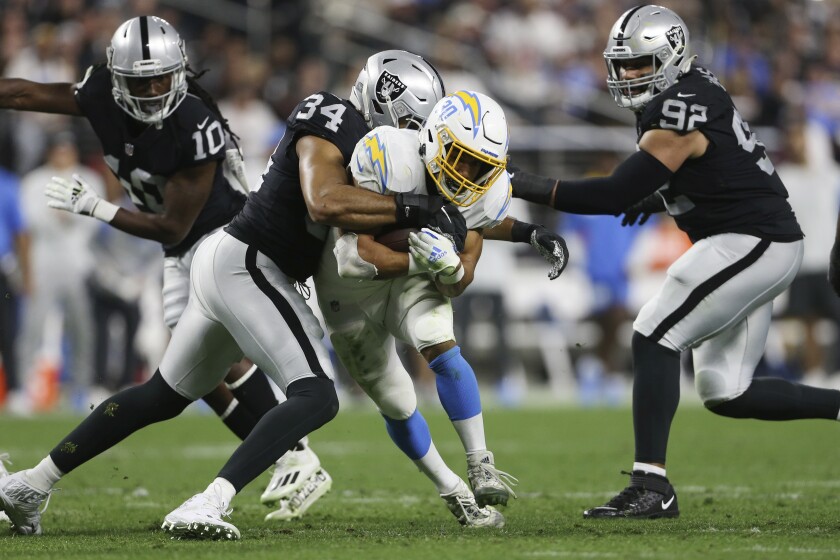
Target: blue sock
{"points": [[456, 385], [411, 435]]}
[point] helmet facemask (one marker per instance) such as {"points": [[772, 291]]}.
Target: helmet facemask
{"points": [[466, 131], [153, 109]]}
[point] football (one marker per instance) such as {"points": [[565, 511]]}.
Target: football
{"points": [[395, 239]]}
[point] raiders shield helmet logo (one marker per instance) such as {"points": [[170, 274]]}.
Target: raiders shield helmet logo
{"points": [[388, 87], [676, 38]]}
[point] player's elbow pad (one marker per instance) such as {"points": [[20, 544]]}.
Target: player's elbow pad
{"points": [[350, 263]]}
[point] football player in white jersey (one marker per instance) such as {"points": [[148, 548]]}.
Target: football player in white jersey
{"points": [[370, 294]]}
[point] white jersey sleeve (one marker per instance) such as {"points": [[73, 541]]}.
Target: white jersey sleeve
{"points": [[387, 161], [492, 208]]}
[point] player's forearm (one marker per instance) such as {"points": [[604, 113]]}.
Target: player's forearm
{"points": [[501, 231], [24, 95], [388, 263], [156, 227], [350, 208]]}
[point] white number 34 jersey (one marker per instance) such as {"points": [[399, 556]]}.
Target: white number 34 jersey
{"points": [[387, 161]]}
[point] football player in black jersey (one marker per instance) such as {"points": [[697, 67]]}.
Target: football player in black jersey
{"points": [[698, 160], [244, 300], [164, 139]]}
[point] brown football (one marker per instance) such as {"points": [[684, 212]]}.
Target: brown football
{"points": [[396, 239]]}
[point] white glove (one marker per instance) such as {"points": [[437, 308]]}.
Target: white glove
{"points": [[435, 253], [76, 196], [350, 263]]}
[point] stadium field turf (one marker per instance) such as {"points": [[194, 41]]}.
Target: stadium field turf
{"points": [[746, 489]]}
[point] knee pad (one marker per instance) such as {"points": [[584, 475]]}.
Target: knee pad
{"points": [[320, 394], [713, 388], [155, 396], [428, 323]]}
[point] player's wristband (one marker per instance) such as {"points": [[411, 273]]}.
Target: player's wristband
{"points": [[104, 211], [453, 278], [520, 232]]}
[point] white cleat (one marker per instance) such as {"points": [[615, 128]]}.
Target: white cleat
{"points": [[200, 517], [296, 505], [21, 502], [490, 485], [291, 472], [4, 472], [463, 506]]}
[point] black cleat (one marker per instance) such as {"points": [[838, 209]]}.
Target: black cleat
{"points": [[649, 496]]}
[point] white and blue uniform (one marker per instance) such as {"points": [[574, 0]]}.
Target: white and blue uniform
{"points": [[363, 316]]}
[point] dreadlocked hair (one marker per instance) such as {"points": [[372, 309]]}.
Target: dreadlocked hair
{"points": [[195, 88]]}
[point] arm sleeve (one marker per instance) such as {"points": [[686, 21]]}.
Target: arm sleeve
{"points": [[635, 178]]}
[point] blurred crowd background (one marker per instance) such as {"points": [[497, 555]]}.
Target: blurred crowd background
{"points": [[80, 314]]}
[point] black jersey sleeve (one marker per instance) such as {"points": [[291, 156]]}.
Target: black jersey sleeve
{"points": [[328, 117], [94, 91], [695, 101]]}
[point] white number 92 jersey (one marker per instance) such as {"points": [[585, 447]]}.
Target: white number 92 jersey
{"points": [[387, 161]]}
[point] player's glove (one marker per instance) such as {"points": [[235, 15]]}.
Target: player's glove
{"points": [[551, 246], [553, 249], [417, 210], [434, 253], [450, 222], [641, 211], [834, 268], [76, 196]]}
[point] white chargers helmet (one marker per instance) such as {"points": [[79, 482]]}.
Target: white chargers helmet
{"points": [[465, 125], [396, 88], [141, 48], [653, 33]]}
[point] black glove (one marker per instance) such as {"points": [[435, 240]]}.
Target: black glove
{"points": [[449, 222], [642, 210], [834, 268], [416, 210], [550, 245]]}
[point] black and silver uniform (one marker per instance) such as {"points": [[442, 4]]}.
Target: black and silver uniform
{"points": [[143, 162], [733, 187], [275, 218]]}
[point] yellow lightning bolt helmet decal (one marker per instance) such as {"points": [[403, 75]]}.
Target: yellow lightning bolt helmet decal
{"points": [[470, 101]]}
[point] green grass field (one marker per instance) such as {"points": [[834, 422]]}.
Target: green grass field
{"points": [[746, 489]]}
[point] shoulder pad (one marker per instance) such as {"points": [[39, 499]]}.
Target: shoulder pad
{"points": [[493, 207], [387, 160], [326, 116], [695, 100]]}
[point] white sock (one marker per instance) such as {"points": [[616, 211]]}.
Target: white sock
{"points": [[222, 488], [471, 432], [44, 475], [651, 469], [432, 465]]}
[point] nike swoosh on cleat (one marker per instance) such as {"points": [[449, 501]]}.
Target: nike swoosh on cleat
{"points": [[666, 505]]}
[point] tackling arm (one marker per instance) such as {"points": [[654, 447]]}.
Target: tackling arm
{"points": [[330, 200], [661, 154]]}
